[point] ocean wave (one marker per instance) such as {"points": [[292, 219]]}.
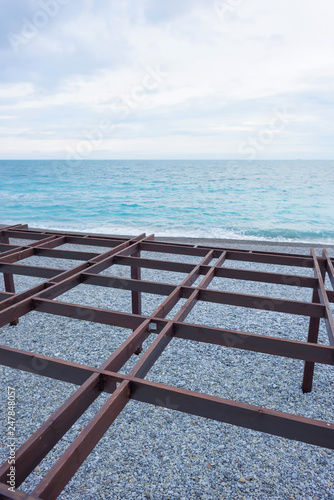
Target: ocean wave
{"points": [[269, 201], [273, 236]]}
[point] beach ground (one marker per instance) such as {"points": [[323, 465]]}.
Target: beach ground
{"points": [[159, 453]]}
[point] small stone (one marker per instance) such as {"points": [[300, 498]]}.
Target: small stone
{"points": [[242, 479]]}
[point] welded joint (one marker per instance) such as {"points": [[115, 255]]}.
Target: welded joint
{"points": [[138, 350], [101, 382]]}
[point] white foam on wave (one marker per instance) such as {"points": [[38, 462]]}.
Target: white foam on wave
{"points": [[210, 233]]}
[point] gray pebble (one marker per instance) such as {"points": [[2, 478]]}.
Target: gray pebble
{"points": [[156, 452]]}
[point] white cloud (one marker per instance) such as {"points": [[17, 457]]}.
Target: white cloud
{"points": [[12, 91], [225, 76]]}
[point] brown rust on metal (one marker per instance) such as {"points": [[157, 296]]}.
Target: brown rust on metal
{"points": [[93, 381]]}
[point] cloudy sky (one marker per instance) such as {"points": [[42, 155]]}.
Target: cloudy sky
{"points": [[84, 79]]}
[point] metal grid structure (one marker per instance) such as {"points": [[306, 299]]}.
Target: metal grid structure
{"points": [[92, 381]]}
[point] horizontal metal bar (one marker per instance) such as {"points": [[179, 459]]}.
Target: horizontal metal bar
{"points": [[260, 302], [266, 277], [25, 235], [278, 259], [94, 314], [98, 242], [163, 265], [65, 254], [173, 249], [258, 252], [127, 284], [201, 250], [24, 270], [69, 233], [252, 417], [13, 226], [45, 366], [253, 342]]}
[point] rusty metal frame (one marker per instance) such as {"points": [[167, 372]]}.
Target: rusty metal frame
{"points": [[93, 381]]}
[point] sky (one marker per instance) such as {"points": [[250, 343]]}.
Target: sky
{"points": [[188, 79]]}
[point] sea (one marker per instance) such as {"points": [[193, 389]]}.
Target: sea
{"points": [[281, 201]]}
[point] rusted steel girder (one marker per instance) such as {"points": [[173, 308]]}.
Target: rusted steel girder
{"points": [[92, 381]]}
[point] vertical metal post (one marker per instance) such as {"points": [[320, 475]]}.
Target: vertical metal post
{"points": [[313, 333], [136, 295], [8, 278]]}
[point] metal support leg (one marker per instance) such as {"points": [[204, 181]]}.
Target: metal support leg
{"points": [[8, 278], [135, 295], [313, 333]]}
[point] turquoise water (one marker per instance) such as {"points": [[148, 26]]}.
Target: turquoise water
{"points": [[270, 200]]}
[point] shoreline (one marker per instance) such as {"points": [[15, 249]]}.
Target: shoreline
{"points": [[186, 240], [223, 241]]}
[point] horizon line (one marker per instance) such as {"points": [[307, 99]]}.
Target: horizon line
{"points": [[167, 159]]}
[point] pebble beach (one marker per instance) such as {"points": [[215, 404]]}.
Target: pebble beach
{"points": [[157, 453]]}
